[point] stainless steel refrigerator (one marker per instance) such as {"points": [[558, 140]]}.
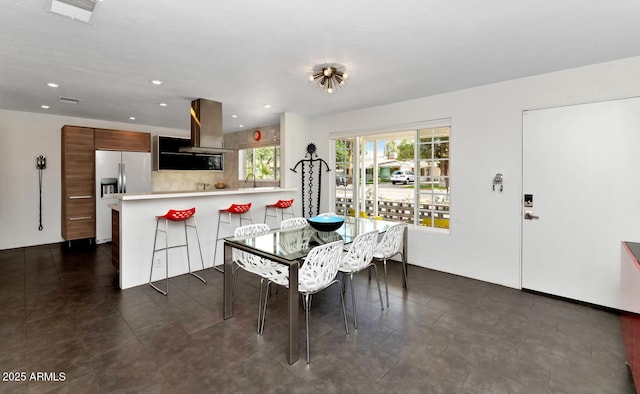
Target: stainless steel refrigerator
{"points": [[118, 172]]}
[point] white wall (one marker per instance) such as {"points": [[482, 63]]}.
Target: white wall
{"points": [[486, 138], [23, 136], [295, 134]]}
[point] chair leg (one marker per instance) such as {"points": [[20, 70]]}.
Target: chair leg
{"points": [[264, 309], [155, 240], [404, 272], [186, 242], [166, 255], [343, 279], [215, 248], [344, 310], [353, 303], [375, 270], [260, 306], [234, 271], [386, 286], [195, 227], [307, 303]]}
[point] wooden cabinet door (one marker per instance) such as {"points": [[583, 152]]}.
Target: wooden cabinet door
{"points": [[129, 141], [78, 183]]}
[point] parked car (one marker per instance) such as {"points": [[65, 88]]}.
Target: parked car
{"points": [[342, 181], [402, 176]]}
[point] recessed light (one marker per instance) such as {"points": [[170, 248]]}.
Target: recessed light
{"points": [[163, 104], [44, 107], [132, 118], [234, 116], [267, 106], [241, 125], [52, 85], [156, 82]]}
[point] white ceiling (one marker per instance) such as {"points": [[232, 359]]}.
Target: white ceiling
{"points": [[247, 53]]}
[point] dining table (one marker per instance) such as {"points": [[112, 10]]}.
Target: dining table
{"points": [[289, 247]]}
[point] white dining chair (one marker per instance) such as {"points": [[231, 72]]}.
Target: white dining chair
{"points": [[391, 245], [360, 257], [327, 214], [293, 222], [317, 273], [257, 265]]}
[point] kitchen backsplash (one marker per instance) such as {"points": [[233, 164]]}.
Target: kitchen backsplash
{"points": [[166, 180]]}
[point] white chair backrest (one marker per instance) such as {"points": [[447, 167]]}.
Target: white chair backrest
{"points": [[251, 229], [320, 266], [293, 222], [244, 259], [361, 251], [295, 240], [328, 214], [392, 241]]}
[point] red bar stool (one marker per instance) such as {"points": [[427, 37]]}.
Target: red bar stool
{"points": [[285, 207], [242, 210], [175, 216]]}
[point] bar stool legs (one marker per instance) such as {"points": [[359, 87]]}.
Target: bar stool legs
{"points": [[285, 207], [184, 217], [236, 209]]}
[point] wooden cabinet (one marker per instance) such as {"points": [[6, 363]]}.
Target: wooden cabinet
{"points": [[78, 173], [115, 238], [78, 183], [129, 141]]}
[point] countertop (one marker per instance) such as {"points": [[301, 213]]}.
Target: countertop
{"points": [[203, 193]]}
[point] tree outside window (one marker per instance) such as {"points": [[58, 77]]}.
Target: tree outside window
{"points": [[262, 162]]}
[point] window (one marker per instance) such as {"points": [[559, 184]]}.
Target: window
{"points": [[263, 162], [433, 160], [398, 176]]}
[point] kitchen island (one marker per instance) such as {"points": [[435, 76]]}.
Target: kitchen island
{"points": [[136, 214]]}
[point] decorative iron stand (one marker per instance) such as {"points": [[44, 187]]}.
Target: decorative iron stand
{"points": [[310, 188]]}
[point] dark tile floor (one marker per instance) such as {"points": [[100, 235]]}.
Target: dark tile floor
{"points": [[61, 312]]}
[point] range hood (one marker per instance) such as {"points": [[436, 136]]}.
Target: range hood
{"points": [[206, 128]]}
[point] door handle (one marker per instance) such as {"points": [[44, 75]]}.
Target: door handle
{"points": [[528, 215]]}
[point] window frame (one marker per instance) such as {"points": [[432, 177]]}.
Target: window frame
{"points": [[359, 188], [243, 171]]}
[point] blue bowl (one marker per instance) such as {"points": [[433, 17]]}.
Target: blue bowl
{"points": [[326, 223]]}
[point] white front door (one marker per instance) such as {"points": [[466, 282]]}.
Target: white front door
{"points": [[581, 164]]}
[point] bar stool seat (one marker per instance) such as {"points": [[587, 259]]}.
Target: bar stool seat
{"points": [[242, 210], [174, 215], [285, 207]]}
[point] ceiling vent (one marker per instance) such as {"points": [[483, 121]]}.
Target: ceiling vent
{"points": [[69, 100], [81, 10]]}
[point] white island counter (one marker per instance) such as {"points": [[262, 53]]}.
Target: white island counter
{"points": [[137, 223]]}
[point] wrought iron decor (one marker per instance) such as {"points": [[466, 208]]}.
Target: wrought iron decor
{"points": [[311, 167]]}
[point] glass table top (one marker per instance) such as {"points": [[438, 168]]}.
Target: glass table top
{"points": [[296, 242]]}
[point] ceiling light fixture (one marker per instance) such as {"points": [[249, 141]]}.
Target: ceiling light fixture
{"points": [[266, 106], [81, 10], [329, 77], [52, 85], [132, 117], [156, 82], [44, 106], [163, 104], [234, 116]]}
